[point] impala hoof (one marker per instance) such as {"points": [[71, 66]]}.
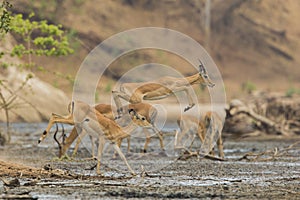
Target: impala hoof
{"points": [[133, 174], [186, 109], [144, 151]]}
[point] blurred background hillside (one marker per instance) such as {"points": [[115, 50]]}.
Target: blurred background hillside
{"points": [[255, 43]]}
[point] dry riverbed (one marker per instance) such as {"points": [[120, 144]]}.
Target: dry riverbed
{"points": [[31, 171]]}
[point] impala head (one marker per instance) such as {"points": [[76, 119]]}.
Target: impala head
{"points": [[205, 80], [139, 119], [60, 144]]}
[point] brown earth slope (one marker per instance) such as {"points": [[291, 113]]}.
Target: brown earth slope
{"points": [[251, 41]]}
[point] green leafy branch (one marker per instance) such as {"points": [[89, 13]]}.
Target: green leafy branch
{"points": [[5, 17], [38, 38], [35, 38]]}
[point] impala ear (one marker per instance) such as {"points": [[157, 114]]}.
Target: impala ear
{"points": [[202, 70], [71, 107], [131, 111]]}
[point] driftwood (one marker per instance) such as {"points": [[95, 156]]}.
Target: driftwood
{"points": [[268, 155], [264, 122], [271, 114], [271, 154]]}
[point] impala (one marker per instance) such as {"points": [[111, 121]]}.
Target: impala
{"points": [[161, 88], [88, 119], [210, 126], [143, 109]]}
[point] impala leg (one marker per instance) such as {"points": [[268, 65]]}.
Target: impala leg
{"points": [[220, 147], [177, 143], [81, 135], [153, 115], [119, 142], [148, 139], [188, 93], [55, 118], [93, 147], [160, 136], [128, 144], [201, 134], [176, 140], [161, 140], [123, 158], [100, 150], [179, 136], [184, 140], [193, 139], [211, 143], [45, 133]]}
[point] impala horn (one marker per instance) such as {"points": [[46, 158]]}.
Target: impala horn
{"points": [[202, 70]]}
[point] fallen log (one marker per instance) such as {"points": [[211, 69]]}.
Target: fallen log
{"points": [[265, 123], [267, 113]]}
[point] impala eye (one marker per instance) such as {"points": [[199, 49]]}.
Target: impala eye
{"points": [[205, 76], [143, 118]]}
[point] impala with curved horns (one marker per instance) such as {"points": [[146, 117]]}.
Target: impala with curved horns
{"points": [[144, 109], [88, 119]]}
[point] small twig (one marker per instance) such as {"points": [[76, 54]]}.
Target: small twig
{"points": [[211, 157], [289, 191], [188, 154]]}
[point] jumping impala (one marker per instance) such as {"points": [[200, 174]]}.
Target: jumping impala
{"points": [[88, 119], [210, 125], [161, 88], [143, 109]]}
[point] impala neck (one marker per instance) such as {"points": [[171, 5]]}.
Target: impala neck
{"points": [[194, 79], [126, 131], [130, 127]]}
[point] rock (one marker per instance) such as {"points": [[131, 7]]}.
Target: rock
{"points": [[11, 183], [38, 99]]}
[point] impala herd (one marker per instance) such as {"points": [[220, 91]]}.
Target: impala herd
{"points": [[100, 123]]}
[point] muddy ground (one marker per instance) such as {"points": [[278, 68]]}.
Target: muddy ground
{"points": [[31, 171]]}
